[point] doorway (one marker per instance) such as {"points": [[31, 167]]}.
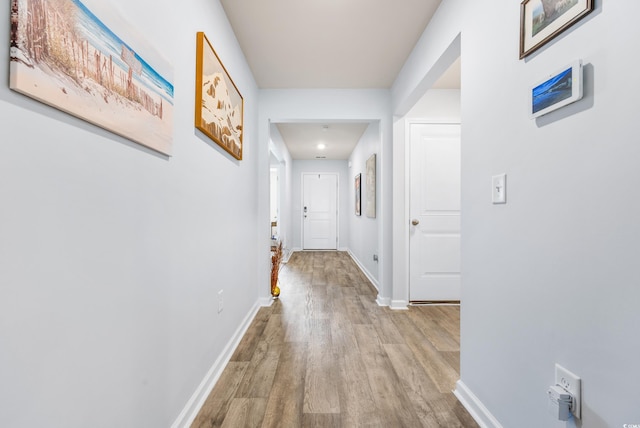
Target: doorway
{"points": [[434, 207], [274, 204], [319, 211]]}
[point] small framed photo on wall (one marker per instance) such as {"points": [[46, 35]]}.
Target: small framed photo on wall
{"points": [[358, 189]]}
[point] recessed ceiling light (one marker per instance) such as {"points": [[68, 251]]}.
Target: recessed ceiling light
{"points": [[321, 146]]}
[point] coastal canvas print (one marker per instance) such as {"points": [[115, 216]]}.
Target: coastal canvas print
{"points": [[219, 105], [92, 65]]}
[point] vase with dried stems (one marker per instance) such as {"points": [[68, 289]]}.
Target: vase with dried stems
{"points": [[276, 262]]}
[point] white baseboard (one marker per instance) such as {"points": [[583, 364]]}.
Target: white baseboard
{"points": [[287, 255], [195, 403], [364, 270], [399, 305], [383, 301], [474, 406]]}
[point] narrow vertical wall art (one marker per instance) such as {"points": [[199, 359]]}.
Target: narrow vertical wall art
{"points": [[371, 187], [358, 189]]}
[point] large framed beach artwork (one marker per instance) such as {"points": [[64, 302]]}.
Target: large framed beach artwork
{"points": [[219, 104], [84, 59], [542, 20]]}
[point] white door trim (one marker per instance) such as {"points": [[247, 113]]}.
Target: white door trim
{"points": [[302, 174]]}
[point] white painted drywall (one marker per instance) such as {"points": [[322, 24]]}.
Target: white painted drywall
{"points": [[549, 277], [437, 105], [363, 231], [111, 256]]}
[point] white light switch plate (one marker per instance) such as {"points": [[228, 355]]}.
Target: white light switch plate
{"points": [[499, 189]]}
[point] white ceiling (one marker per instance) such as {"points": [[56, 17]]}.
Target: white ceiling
{"points": [[340, 139], [327, 43], [335, 44]]}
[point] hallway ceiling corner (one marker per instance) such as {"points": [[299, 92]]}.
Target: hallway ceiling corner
{"points": [[329, 44]]}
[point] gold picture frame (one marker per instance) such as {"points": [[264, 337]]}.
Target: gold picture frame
{"points": [[219, 111], [543, 20]]}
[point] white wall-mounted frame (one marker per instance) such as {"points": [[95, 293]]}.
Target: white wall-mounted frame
{"points": [[556, 90]]}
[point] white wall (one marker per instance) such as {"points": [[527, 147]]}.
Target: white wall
{"points": [[338, 167], [548, 277], [437, 105], [111, 256], [363, 231]]}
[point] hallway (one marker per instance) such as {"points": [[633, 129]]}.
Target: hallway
{"points": [[326, 355]]}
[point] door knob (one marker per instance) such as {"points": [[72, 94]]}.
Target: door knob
{"points": [[415, 222]]}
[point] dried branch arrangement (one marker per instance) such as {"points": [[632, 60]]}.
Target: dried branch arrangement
{"points": [[276, 264]]}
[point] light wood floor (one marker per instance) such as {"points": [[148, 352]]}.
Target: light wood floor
{"points": [[326, 355]]}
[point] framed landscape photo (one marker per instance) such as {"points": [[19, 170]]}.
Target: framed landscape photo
{"points": [[219, 104], [542, 20], [358, 189]]}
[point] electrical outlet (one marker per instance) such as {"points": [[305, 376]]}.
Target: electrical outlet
{"points": [[571, 383], [220, 301]]}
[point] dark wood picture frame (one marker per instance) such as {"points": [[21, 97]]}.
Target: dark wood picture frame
{"points": [[543, 20], [219, 105]]}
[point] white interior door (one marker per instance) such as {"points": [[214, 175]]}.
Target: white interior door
{"points": [[434, 244], [319, 211]]}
